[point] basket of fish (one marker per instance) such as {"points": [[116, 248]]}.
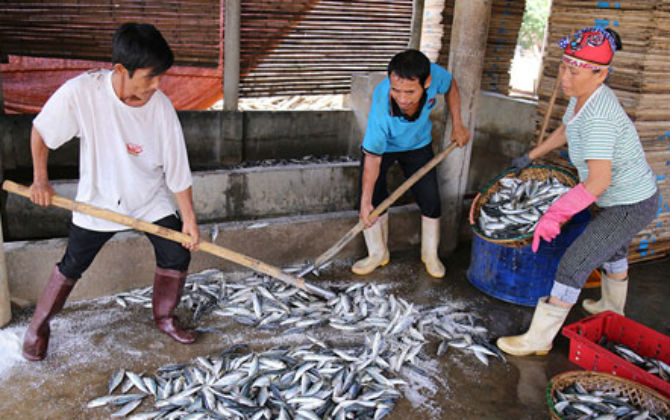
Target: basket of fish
{"points": [[508, 208], [609, 342], [597, 395]]}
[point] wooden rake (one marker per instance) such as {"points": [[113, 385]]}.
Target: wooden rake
{"points": [[175, 236]]}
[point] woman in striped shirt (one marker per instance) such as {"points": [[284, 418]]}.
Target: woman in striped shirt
{"points": [[606, 150]]}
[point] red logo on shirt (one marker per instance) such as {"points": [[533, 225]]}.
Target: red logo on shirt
{"points": [[431, 103], [134, 149]]}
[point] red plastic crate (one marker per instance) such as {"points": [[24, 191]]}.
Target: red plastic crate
{"points": [[643, 340]]}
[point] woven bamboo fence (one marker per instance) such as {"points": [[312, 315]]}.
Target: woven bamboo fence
{"points": [[321, 47], [288, 47], [641, 81], [83, 29]]}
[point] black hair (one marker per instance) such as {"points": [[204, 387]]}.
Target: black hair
{"points": [[617, 43], [617, 39], [141, 45], [410, 65]]}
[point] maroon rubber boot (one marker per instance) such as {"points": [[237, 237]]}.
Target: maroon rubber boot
{"points": [[168, 285], [36, 339]]}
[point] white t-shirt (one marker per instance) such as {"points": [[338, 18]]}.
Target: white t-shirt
{"points": [[131, 159]]}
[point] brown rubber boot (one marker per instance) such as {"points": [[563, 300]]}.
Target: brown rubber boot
{"points": [[168, 285], [52, 299]]}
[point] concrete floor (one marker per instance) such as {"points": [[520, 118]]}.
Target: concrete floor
{"points": [[92, 339]]}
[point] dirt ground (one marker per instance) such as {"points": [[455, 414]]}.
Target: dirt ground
{"points": [[92, 339]]}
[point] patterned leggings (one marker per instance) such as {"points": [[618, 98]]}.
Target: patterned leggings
{"points": [[605, 241]]}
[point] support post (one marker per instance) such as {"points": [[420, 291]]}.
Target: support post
{"points": [[231, 56], [2, 96], [466, 62], [417, 25], [5, 302]]}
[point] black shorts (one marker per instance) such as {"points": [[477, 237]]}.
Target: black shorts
{"points": [[83, 245], [425, 190]]}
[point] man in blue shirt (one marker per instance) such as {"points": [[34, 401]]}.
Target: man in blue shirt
{"points": [[399, 130]]}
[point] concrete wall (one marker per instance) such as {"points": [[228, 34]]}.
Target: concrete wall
{"points": [[294, 134], [221, 195], [505, 129], [212, 138], [15, 145]]}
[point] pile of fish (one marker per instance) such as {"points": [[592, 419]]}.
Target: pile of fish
{"points": [[268, 304], [314, 381], [514, 209], [305, 160], [307, 382], [576, 403], [651, 365]]}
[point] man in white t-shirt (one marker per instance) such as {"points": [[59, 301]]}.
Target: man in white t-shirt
{"points": [[132, 160]]}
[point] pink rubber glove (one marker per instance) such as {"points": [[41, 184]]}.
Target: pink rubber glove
{"points": [[570, 203]]}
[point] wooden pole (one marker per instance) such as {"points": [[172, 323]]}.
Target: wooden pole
{"points": [[550, 108], [381, 208], [175, 236], [417, 24], [2, 97], [5, 301], [466, 62], [231, 56]]}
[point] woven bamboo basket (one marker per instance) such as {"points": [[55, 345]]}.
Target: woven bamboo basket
{"points": [[638, 395], [535, 172]]}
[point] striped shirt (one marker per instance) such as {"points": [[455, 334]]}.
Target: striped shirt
{"points": [[601, 130]]}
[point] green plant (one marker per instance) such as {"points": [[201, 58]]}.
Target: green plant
{"points": [[534, 23]]}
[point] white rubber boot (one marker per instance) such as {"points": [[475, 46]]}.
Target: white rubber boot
{"points": [[384, 219], [539, 338], [430, 239], [378, 253], [613, 296]]}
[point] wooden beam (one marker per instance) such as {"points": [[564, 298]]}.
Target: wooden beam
{"points": [[417, 25], [466, 62], [2, 97], [5, 302], [231, 56]]}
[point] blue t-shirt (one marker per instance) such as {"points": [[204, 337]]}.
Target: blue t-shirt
{"points": [[388, 133]]}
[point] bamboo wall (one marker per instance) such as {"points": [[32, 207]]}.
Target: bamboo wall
{"points": [[83, 29], [322, 46], [288, 47], [641, 81]]}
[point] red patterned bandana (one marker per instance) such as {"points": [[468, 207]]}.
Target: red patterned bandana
{"points": [[590, 48]]}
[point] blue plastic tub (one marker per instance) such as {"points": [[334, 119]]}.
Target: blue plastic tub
{"points": [[517, 275]]}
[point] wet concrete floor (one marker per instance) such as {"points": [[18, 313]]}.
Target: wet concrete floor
{"points": [[92, 339]]}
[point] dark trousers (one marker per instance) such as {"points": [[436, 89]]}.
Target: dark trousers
{"points": [[83, 245], [425, 190], [606, 239]]}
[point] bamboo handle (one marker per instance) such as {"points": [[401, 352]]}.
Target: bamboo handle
{"points": [[5, 298], [383, 206], [550, 108], [172, 235]]}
